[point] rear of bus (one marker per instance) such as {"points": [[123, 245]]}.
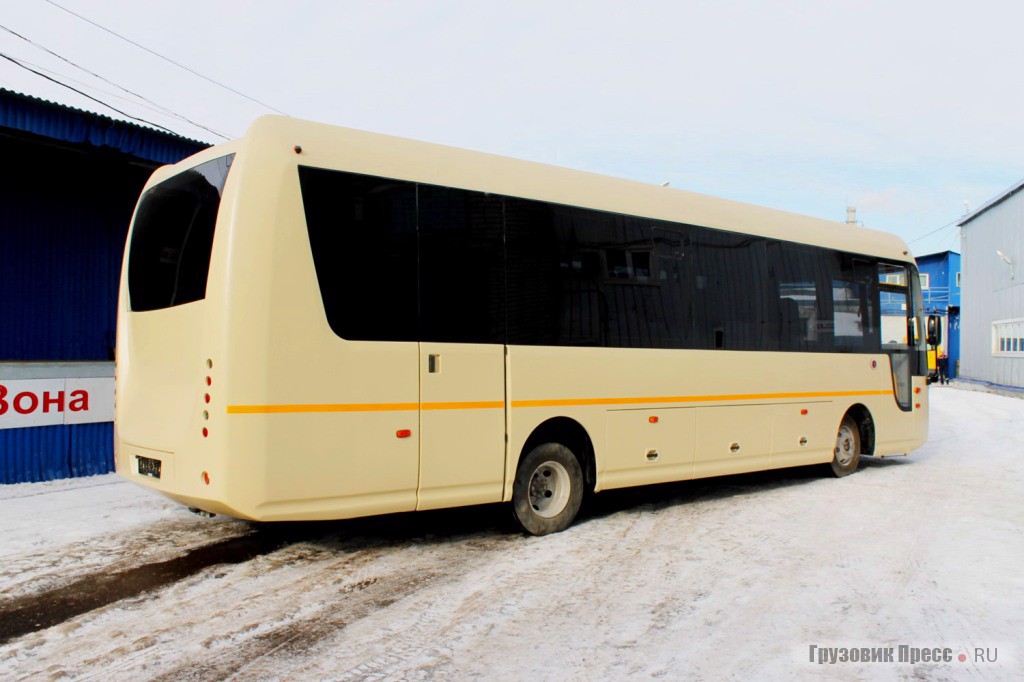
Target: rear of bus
{"points": [[171, 325], [234, 395]]}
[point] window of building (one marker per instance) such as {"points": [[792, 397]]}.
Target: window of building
{"points": [[925, 279], [1008, 338], [958, 279]]}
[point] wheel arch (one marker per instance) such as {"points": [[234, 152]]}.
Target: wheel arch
{"points": [[571, 434], [865, 426]]}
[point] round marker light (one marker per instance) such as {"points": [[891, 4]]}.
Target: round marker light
{"points": [[206, 478]]}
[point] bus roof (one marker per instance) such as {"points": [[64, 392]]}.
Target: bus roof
{"points": [[328, 146]]}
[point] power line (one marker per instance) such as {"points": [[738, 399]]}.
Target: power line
{"points": [[155, 108], [166, 59], [949, 224], [98, 101], [107, 80]]}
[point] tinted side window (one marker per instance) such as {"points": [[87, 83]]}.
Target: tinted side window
{"points": [[728, 280], [854, 305], [169, 255], [362, 231], [803, 279], [462, 266], [551, 280], [578, 277]]}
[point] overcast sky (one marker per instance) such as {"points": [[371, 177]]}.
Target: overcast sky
{"points": [[902, 109]]}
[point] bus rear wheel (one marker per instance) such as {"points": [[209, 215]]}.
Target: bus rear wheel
{"points": [[846, 457], [548, 489]]}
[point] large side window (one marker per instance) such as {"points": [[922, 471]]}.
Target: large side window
{"points": [[172, 238], [855, 309], [578, 277], [728, 282], [362, 231], [462, 268], [553, 278], [803, 278]]}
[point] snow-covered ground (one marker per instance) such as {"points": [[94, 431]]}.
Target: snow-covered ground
{"points": [[715, 579]]}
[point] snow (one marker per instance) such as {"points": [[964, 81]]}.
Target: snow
{"points": [[720, 578]]}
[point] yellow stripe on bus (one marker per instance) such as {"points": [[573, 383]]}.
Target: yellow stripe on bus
{"points": [[691, 398], [347, 407], [572, 402]]}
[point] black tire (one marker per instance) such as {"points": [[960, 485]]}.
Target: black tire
{"points": [[846, 455], [548, 489]]}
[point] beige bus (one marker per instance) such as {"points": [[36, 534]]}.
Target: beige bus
{"points": [[321, 323]]}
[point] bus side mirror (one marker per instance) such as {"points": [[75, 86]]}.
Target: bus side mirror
{"points": [[934, 330]]}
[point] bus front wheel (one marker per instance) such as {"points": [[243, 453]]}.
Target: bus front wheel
{"points": [[548, 489], [846, 457]]}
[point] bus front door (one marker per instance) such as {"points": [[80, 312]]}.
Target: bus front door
{"points": [[462, 424]]}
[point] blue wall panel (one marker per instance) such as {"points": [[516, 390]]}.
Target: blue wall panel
{"points": [[63, 223], [58, 122], [44, 453], [71, 180]]}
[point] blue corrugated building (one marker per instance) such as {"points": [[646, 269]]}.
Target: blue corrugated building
{"points": [[73, 178], [940, 287]]}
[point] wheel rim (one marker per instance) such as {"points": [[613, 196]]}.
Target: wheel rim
{"points": [[846, 446], [550, 486]]}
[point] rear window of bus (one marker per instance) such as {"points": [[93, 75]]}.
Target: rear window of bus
{"points": [[169, 255]]}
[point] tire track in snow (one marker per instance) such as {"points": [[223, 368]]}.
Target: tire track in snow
{"points": [[46, 570], [34, 612], [265, 654]]}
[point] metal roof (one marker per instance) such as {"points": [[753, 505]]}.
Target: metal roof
{"points": [[994, 202], [939, 254], [57, 121]]}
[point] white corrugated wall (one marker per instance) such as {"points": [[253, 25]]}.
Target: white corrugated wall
{"points": [[989, 293]]}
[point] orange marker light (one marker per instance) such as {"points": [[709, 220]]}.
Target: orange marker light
{"points": [[917, 390], [403, 433], [209, 381], [206, 478], [803, 411], [653, 420]]}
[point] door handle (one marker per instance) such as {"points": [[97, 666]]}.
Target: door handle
{"points": [[433, 363]]}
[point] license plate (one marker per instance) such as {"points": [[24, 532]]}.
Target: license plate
{"points": [[148, 466]]}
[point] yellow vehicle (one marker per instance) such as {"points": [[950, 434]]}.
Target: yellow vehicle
{"points": [[321, 323]]}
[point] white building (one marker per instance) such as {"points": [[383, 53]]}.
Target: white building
{"points": [[992, 325]]}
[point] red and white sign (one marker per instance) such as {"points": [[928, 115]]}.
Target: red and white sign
{"points": [[46, 402]]}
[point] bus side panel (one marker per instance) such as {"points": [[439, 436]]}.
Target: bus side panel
{"points": [[725, 411], [462, 424], [315, 419], [898, 432], [803, 433], [650, 445]]}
